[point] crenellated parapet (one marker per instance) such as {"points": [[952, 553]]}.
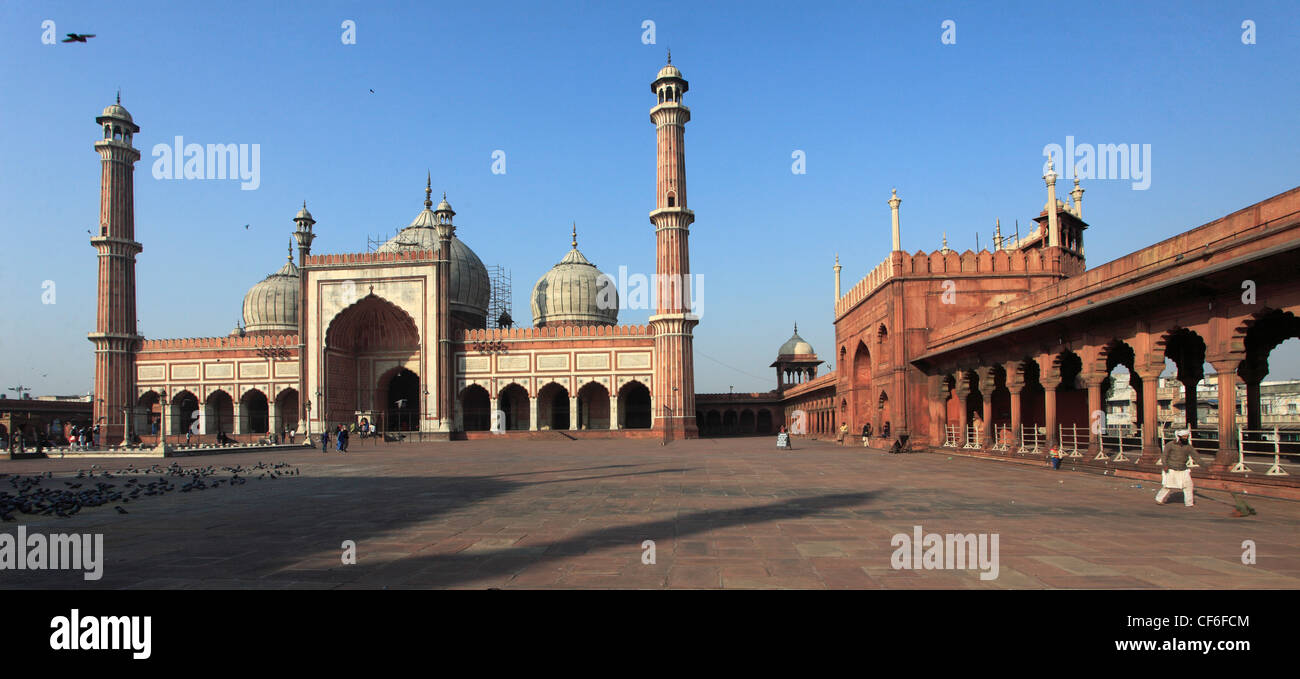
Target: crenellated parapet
{"points": [[500, 334], [245, 342], [362, 258], [878, 276]]}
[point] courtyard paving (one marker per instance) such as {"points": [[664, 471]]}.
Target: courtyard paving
{"points": [[723, 513]]}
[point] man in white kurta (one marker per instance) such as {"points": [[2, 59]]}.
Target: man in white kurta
{"points": [[1176, 475]]}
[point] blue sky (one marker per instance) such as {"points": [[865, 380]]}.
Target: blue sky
{"points": [[866, 90]]}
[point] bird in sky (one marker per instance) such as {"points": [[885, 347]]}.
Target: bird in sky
{"points": [[401, 403], [78, 37], [245, 227], [372, 91]]}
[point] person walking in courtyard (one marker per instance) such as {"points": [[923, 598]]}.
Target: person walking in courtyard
{"points": [[1176, 475], [325, 441], [339, 433], [346, 434], [866, 434], [844, 430]]}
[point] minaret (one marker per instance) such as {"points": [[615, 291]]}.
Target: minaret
{"points": [[997, 235], [446, 380], [1053, 226], [304, 235], [115, 337], [837, 276], [894, 202], [1077, 195], [673, 387]]}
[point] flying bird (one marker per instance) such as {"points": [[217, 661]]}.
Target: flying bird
{"points": [[401, 403], [372, 91], [245, 227], [78, 37]]}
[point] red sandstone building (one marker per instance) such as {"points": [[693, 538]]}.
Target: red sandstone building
{"points": [[398, 337], [1010, 350]]}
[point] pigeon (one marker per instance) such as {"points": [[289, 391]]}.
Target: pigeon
{"points": [[120, 510], [245, 227], [401, 403], [78, 37], [372, 91]]}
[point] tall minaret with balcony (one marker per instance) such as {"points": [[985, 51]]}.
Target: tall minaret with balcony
{"points": [[116, 337], [674, 366]]}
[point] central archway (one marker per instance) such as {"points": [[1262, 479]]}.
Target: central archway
{"points": [[371, 353]]}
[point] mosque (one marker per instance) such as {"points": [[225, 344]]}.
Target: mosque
{"points": [[399, 337]]}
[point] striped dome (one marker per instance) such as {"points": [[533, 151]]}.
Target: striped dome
{"points": [[571, 294], [271, 307]]}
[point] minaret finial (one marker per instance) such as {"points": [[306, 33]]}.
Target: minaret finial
{"points": [[119, 96], [428, 190], [670, 55], [291, 245], [575, 235]]}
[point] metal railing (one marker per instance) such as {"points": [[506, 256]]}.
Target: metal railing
{"points": [[1002, 438], [1265, 442], [974, 437], [1119, 438], [1073, 440], [951, 435], [1204, 440], [1033, 440]]}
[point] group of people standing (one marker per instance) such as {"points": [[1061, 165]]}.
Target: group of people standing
{"points": [[340, 436]]}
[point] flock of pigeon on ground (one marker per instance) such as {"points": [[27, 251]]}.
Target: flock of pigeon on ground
{"points": [[95, 487]]}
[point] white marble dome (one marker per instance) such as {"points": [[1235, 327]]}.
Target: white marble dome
{"points": [[795, 346], [271, 307], [470, 287], [571, 293]]}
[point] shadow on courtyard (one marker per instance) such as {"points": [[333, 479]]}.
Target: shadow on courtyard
{"points": [[267, 533]]}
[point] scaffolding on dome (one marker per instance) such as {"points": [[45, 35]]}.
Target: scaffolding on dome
{"points": [[499, 303]]}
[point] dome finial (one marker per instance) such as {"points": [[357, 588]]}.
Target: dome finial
{"points": [[428, 191], [290, 257], [575, 235], [119, 96], [670, 55], [796, 327]]}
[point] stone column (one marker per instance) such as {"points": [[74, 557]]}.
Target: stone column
{"points": [[1015, 385], [613, 413], [1049, 409], [961, 392], [203, 419], [1150, 375], [986, 385], [936, 402], [241, 427], [1094, 382], [532, 413], [1226, 368], [573, 413]]}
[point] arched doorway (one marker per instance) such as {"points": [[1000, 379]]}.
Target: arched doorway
{"points": [[553, 407], [402, 401], [634, 405], [286, 410], [765, 422], [219, 413], [371, 353], [475, 408], [861, 386], [593, 406], [184, 415], [147, 414], [513, 401], [747, 421], [254, 413]]}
